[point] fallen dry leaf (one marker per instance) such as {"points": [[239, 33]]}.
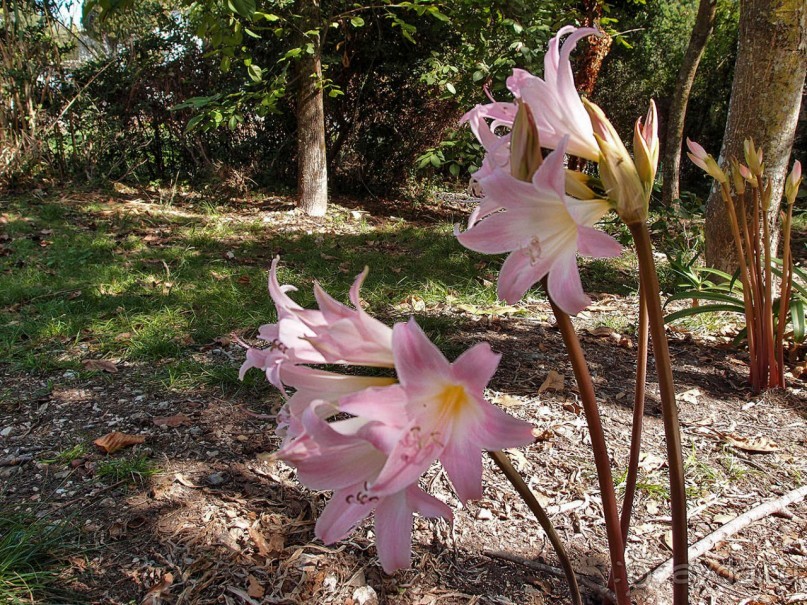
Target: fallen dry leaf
{"points": [[553, 382], [101, 365], [171, 421], [507, 401], [690, 396], [255, 588], [244, 279], [182, 479], [267, 548], [114, 441], [751, 444], [155, 593]]}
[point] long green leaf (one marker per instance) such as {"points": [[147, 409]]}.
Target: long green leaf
{"points": [[707, 295], [698, 310], [797, 319]]}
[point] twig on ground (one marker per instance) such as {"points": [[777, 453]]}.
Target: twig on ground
{"points": [[599, 590], [661, 574]]}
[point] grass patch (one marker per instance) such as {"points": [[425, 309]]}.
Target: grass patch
{"points": [[116, 279], [135, 469], [30, 552]]}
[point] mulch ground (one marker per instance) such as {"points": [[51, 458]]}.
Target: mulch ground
{"points": [[221, 523]]}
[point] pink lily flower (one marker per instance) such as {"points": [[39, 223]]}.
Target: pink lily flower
{"points": [[334, 333], [544, 230], [554, 100], [351, 336], [555, 104], [339, 456], [448, 416]]}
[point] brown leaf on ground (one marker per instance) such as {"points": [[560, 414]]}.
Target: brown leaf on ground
{"points": [[114, 441], [507, 401], [171, 421], [601, 331], [553, 382], [100, 365], [751, 444], [255, 588], [267, 548], [155, 594]]}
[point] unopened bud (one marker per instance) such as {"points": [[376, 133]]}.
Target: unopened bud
{"points": [[525, 147], [737, 177], [646, 146], [793, 182], [753, 157], [705, 162], [618, 172], [746, 173]]}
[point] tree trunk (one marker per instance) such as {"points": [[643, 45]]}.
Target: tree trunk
{"points": [[765, 100], [671, 160], [590, 63], [312, 171]]}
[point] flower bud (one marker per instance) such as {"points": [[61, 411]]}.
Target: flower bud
{"points": [[737, 177], [746, 173], [793, 182], [753, 157], [618, 172], [525, 147], [646, 146], [705, 162]]}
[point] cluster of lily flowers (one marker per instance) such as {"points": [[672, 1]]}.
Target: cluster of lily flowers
{"points": [[369, 439]]}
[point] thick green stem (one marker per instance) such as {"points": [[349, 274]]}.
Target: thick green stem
{"points": [[602, 461], [504, 464], [675, 461]]}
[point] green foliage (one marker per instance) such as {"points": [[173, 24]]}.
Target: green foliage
{"points": [[133, 469], [30, 549], [725, 294]]}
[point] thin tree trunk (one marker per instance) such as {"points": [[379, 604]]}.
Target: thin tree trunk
{"points": [[765, 100], [671, 161], [312, 170], [595, 50]]}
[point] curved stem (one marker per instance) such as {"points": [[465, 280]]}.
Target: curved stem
{"points": [[602, 461], [661, 353], [638, 417], [503, 462]]}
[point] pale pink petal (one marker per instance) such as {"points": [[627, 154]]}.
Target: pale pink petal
{"points": [[384, 404], [476, 366], [393, 528], [500, 430], [595, 243], [347, 508], [565, 287], [428, 505], [587, 212], [520, 271], [462, 460], [501, 232], [416, 357], [551, 176]]}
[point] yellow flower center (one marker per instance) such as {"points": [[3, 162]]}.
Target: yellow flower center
{"points": [[453, 399]]}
